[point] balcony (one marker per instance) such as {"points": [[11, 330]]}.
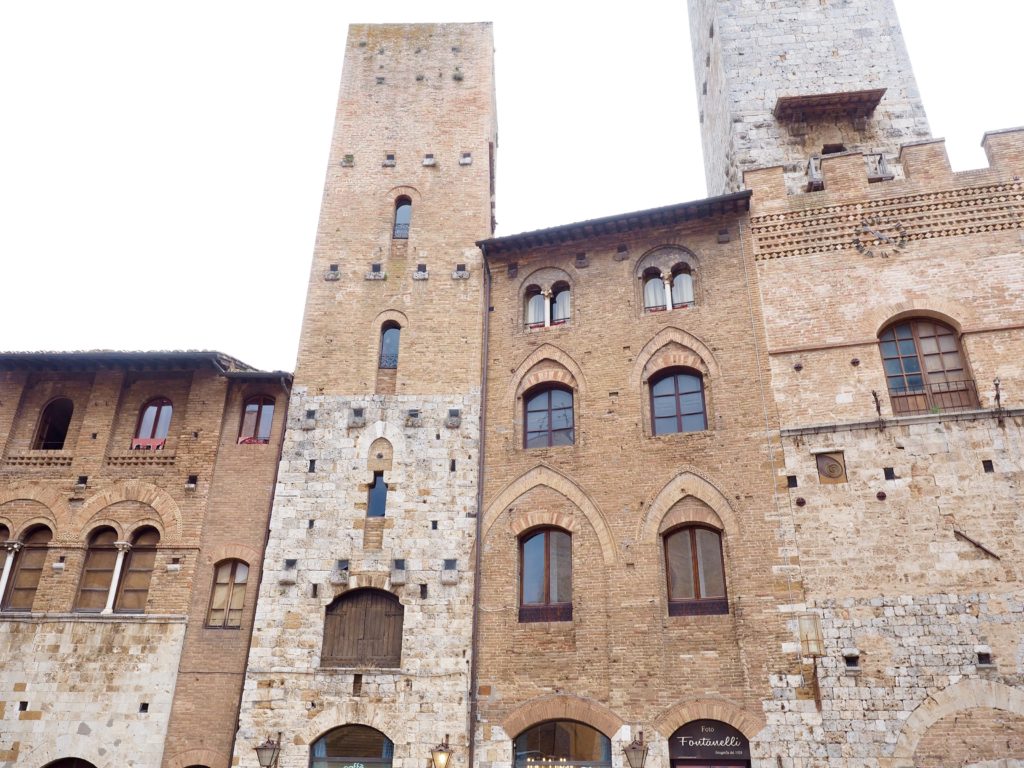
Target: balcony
{"points": [[878, 169], [937, 397], [148, 443]]}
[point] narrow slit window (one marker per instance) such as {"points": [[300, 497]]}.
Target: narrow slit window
{"points": [[403, 218], [378, 496]]}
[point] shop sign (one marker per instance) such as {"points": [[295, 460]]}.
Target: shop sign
{"points": [[708, 739]]}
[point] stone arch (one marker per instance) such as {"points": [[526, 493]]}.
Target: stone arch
{"points": [[543, 475], [545, 277], [49, 498], [394, 315], [689, 482], [560, 361], [336, 715], [562, 707], [663, 351], [381, 581], [665, 256], [539, 518], [102, 522], [723, 710], [684, 514], [390, 433], [72, 746], [165, 507], [192, 757], [966, 694], [248, 555], [943, 310], [380, 455], [402, 189]]}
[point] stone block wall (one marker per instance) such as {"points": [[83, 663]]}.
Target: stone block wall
{"points": [[748, 53]]}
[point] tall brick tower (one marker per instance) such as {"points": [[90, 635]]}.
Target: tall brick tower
{"points": [[786, 82], [363, 635]]}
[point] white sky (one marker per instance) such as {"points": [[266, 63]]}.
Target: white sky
{"points": [[161, 164]]}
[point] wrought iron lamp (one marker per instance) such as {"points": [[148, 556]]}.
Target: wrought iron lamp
{"points": [[636, 752], [441, 754], [268, 752]]}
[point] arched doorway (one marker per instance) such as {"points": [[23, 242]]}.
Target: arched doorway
{"points": [[562, 741], [351, 744], [702, 743], [70, 762]]}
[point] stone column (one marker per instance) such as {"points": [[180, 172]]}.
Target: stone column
{"points": [[12, 548], [123, 547]]}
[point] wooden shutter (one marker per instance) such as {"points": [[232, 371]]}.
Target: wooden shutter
{"points": [[363, 629]]}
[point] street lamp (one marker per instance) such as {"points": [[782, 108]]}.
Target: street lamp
{"points": [[268, 752], [441, 754], [636, 752]]}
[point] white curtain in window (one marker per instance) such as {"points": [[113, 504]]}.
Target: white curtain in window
{"points": [[682, 289], [560, 306], [654, 293], [535, 310]]}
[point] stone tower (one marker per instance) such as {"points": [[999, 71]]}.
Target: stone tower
{"points": [[365, 613], [786, 82]]}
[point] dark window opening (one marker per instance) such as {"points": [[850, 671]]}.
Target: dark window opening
{"points": [[27, 569], [545, 576], [677, 402], [98, 571], [695, 572], [257, 418], [389, 338], [986, 464], [562, 742], [403, 218], [377, 497], [549, 418], [984, 659], [791, 481], [832, 149], [53, 425], [889, 473]]}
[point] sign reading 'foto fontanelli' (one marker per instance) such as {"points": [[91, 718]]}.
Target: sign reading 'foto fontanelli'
{"points": [[708, 738]]}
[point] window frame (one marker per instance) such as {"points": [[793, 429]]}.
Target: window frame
{"points": [[399, 229], [261, 401], [649, 275], [387, 361], [133, 554], [348, 760], [232, 587], [605, 745], [18, 566], [932, 396], [679, 415], [678, 270], [558, 289], [153, 441], [533, 292], [92, 547], [545, 390], [695, 606], [547, 610]]}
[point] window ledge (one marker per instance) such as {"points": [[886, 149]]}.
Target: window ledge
{"points": [[709, 607], [39, 458], [361, 670], [545, 613], [93, 618], [893, 421]]}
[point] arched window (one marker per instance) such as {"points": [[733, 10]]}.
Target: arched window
{"points": [[654, 291], [136, 572], [154, 423], [403, 217], [548, 418], [677, 402], [377, 500], [70, 762], [562, 742], [228, 596], [924, 368], [545, 576], [534, 307], [98, 571], [5, 537], [352, 745], [257, 418], [559, 303], [53, 425], [682, 286], [695, 572], [363, 628], [389, 338], [26, 570]]}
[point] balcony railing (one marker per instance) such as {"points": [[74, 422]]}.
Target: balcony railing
{"points": [[388, 361], [148, 443], [937, 397], [401, 232]]}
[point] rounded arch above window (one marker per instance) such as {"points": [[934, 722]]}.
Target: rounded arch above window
{"points": [[666, 259], [37, 536], [925, 367], [562, 741], [349, 744], [104, 536]]}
